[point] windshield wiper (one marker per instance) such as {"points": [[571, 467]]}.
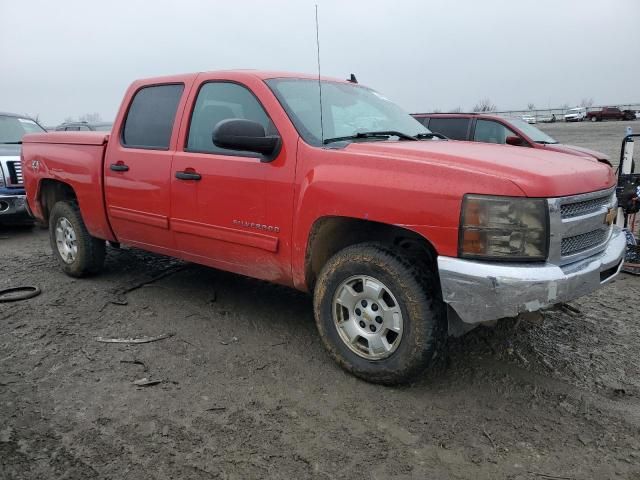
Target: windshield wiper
{"points": [[543, 142], [379, 134], [11, 143], [430, 135]]}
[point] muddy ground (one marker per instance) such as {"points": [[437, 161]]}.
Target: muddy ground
{"points": [[247, 390]]}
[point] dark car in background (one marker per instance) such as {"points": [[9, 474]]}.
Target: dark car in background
{"points": [[610, 113], [13, 127], [487, 128], [85, 126]]}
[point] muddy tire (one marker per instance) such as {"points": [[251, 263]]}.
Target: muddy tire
{"points": [[78, 253], [379, 315]]}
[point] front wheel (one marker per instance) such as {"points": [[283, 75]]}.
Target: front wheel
{"points": [[78, 253], [379, 315]]}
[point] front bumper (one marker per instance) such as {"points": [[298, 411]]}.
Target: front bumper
{"points": [[13, 206], [484, 291]]}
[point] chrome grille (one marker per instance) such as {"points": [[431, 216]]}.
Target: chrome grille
{"points": [[584, 241], [578, 225], [15, 173], [585, 207]]}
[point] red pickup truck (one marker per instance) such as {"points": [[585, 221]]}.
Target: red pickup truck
{"points": [[610, 113], [401, 237]]}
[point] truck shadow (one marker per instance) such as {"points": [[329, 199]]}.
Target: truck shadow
{"points": [[263, 313], [9, 230]]}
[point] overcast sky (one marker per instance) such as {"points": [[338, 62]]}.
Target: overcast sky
{"points": [[65, 58]]}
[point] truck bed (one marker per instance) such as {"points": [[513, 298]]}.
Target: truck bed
{"points": [[74, 158]]}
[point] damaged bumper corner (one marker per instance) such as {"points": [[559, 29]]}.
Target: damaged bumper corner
{"points": [[13, 205], [484, 291]]}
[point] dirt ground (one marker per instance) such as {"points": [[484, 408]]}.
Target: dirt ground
{"points": [[247, 391]]}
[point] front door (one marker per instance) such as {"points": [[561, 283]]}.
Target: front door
{"points": [[138, 168], [230, 209]]}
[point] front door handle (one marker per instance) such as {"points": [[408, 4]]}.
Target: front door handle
{"points": [[119, 167], [188, 175]]}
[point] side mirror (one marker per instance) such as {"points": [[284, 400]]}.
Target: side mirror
{"points": [[514, 140], [247, 136]]}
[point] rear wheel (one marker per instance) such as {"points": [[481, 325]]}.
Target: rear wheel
{"points": [[379, 316], [594, 119], [78, 253]]}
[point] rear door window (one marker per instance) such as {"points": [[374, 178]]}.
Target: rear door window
{"points": [[453, 128], [150, 118], [489, 131]]}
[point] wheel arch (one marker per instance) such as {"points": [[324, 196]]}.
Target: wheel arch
{"points": [[50, 192], [330, 234]]}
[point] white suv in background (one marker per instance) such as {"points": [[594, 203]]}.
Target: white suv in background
{"points": [[577, 114]]}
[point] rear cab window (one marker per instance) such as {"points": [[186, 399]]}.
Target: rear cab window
{"points": [[151, 115], [453, 128]]}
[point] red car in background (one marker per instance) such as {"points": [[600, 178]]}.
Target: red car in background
{"points": [[488, 128], [610, 113]]}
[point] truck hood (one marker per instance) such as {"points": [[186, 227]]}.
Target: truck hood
{"points": [[536, 172], [573, 150]]}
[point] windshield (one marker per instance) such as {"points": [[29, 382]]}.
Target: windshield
{"points": [[103, 128], [12, 129], [532, 132], [575, 110], [347, 109]]}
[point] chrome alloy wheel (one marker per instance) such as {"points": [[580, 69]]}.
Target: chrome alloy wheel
{"points": [[66, 240], [368, 317]]}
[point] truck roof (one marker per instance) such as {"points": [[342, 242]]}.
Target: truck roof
{"points": [[261, 74]]}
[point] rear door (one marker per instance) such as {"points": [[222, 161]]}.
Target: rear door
{"points": [[455, 128], [138, 166], [611, 113]]}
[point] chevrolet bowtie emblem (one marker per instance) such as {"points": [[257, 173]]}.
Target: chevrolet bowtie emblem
{"points": [[610, 217]]}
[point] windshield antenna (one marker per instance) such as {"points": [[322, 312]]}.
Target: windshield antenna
{"points": [[319, 82]]}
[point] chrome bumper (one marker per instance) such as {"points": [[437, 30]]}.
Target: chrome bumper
{"points": [[484, 291], [14, 205]]}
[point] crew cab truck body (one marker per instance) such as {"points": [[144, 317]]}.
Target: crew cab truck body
{"points": [[395, 233], [610, 113]]}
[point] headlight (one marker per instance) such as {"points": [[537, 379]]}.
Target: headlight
{"points": [[504, 228]]}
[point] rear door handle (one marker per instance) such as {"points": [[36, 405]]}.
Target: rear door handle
{"points": [[119, 167], [188, 176]]}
